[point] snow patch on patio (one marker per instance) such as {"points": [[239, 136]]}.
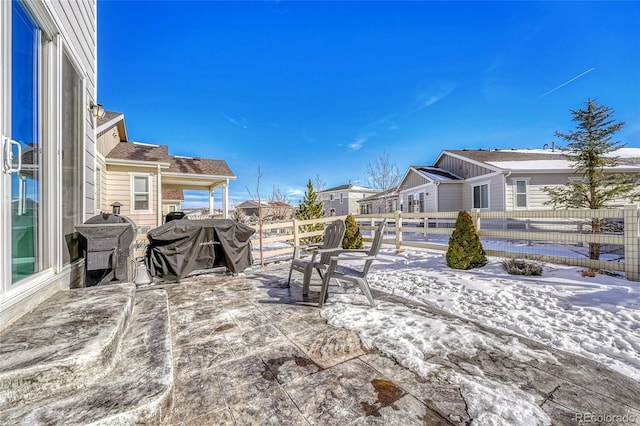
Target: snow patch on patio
{"points": [[598, 318]]}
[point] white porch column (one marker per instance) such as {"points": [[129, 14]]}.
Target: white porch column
{"points": [[211, 201], [225, 200]]}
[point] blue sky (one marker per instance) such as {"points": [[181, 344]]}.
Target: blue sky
{"points": [[306, 89]]}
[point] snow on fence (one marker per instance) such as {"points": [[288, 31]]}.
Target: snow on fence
{"points": [[554, 236]]}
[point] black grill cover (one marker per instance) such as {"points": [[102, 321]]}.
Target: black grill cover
{"points": [[182, 246]]}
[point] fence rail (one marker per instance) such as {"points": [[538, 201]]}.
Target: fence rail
{"points": [[554, 236]]}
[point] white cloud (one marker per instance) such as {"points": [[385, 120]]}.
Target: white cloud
{"points": [[238, 122], [434, 95], [359, 141]]}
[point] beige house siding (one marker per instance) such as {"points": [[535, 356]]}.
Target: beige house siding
{"points": [[101, 173], [462, 168], [167, 203], [119, 188], [108, 140]]}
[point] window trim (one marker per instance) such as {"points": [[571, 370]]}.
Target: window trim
{"points": [[132, 177], [514, 183], [480, 185]]}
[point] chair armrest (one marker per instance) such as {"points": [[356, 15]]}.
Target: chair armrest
{"points": [[305, 249], [337, 259], [340, 251]]}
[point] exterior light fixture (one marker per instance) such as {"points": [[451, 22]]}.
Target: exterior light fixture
{"points": [[96, 110], [116, 207]]}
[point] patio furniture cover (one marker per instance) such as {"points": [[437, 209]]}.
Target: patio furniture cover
{"points": [[182, 246]]}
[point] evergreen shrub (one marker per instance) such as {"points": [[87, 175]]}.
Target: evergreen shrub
{"points": [[465, 249], [352, 236]]}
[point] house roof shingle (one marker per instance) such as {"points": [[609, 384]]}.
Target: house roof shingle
{"points": [[140, 152], [199, 166], [172, 194], [160, 153]]}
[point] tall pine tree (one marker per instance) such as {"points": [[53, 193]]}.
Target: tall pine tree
{"points": [[310, 208], [589, 149]]}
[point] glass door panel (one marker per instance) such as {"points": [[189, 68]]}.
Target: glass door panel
{"points": [[25, 183]]}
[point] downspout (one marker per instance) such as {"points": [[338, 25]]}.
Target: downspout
{"points": [[159, 180], [504, 188], [437, 195]]}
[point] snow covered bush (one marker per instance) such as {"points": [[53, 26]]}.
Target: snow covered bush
{"points": [[521, 267], [465, 249]]}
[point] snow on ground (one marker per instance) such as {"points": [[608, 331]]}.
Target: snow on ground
{"points": [[598, 318]]}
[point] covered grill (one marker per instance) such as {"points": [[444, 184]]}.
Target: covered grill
{"points": [[182, 246], [106, 246]]}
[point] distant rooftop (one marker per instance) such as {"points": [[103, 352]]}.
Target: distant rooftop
{"points": [[349, 187]]}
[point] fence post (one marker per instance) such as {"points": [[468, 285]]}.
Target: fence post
{"points": [[295, 232], [398, 229], [631, 233], [475, 216]]}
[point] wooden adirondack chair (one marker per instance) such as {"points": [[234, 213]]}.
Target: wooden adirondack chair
{"points": [[308, 257], [350, 273]]}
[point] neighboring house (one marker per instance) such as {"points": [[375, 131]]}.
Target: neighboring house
{"points": [[271, 210], [47, 85], [140, 176], [343, 200], [383, 202], [495, 179], [421, 190]]}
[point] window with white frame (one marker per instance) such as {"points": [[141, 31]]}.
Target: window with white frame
{"points": [[481, 196], [141, 193], [520, 190]]}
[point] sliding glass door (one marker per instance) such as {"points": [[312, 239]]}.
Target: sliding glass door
{"points": [[24, 149]]}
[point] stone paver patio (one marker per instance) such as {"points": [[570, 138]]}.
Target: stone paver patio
{"points": [[247, 350]]}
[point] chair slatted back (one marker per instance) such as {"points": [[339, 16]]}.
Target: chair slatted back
{"points": [[375, 246], [332, 238]]}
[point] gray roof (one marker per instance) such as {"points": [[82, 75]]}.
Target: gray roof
{"points": [[485, 155], [349, 187]]}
